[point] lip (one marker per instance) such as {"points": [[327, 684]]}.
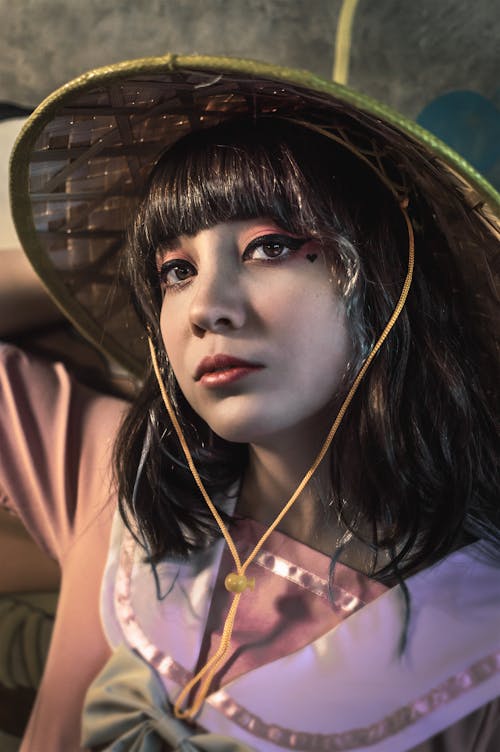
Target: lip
{"points": [[218, 370]]}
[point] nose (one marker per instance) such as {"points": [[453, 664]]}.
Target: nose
{"points": [[219, 302]]}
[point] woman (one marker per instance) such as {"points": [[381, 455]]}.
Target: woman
{"points": [[301, 268]]}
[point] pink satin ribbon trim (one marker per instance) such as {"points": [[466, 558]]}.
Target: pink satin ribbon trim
{"points": [[341, 599], [307, 568], [361, 737], [289, 607], [395, 722]]}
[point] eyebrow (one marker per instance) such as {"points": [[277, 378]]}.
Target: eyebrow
{"points": [[168, 245]]}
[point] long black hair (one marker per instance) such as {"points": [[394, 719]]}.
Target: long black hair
{"points": [[415, 455]]}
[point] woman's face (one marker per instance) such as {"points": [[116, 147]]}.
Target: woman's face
{"points": [[253, 329]]}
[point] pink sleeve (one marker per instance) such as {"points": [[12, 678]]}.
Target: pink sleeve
{"points": [[56, 442]]}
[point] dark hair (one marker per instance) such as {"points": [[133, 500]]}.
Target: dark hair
{"points": [[415, 455]]}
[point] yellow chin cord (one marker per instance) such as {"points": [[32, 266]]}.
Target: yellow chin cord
{"points": [[237, 582]]}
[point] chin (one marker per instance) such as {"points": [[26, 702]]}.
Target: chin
{"points": [[254, 429], [240, 428], [237, 434]]}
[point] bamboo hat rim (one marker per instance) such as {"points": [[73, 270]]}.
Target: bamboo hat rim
{"points": [[199, 76]]}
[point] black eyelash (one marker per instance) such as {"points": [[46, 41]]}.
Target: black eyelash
{"points": [[293, 243], [168, 266]]}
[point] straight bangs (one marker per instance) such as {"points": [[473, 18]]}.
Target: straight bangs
{"points": [[243, 170], [413, 458], [281, 170]]}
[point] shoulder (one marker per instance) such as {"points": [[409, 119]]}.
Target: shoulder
{"points": [[57, 438]]}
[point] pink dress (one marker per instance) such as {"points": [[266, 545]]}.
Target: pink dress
{"points": [[314, 664]]}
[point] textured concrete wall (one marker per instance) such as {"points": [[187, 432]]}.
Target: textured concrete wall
{"points": [[46, 42], [401, 49], [435, 61]]}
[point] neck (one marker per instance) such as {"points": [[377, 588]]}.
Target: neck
{"points": [[273, 474]]}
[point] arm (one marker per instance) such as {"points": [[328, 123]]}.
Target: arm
{"points": [[56, 440]]}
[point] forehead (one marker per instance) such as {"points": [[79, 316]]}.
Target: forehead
{"points": [[237, 229]]}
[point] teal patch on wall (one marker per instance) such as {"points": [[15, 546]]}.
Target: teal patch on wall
{"points": [[470, 124]]}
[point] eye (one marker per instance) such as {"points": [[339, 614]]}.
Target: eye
{"points": [[272, 247], [176, 272]]}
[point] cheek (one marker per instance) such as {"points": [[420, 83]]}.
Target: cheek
{"points": [[164, 329], [313, 314], [318, 337], [172, 335]]}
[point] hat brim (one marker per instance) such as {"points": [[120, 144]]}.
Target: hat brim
{"points": [[81, 162]]}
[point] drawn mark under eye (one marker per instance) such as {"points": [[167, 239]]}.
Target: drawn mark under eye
{"points": [[272, 248], [175, 273]]}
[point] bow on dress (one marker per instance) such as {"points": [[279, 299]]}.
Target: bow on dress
{"points": [[126, 710]]}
